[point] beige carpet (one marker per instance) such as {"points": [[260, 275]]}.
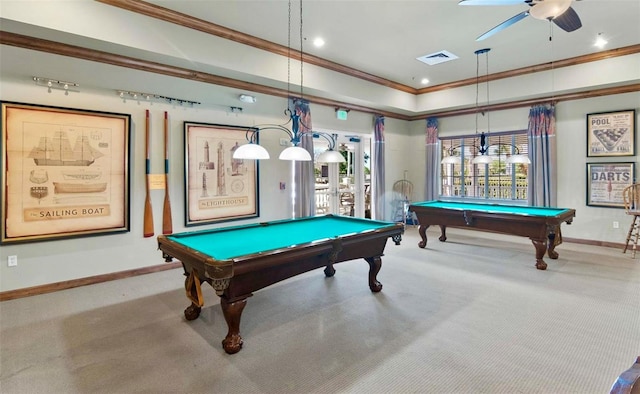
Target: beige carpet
{"points": [[471, 315]]}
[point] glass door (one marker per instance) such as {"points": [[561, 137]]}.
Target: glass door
{"points": [[344, 188]]}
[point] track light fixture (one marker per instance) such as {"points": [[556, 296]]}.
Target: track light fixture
{"points": [[125, 95], [55, 84]]}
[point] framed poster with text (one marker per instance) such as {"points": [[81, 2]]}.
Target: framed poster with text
{"points": [[65, 172], [218, 187], [605, 182], [611, 134]]}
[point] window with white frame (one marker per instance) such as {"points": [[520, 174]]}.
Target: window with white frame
{"points": [[498, 180]]}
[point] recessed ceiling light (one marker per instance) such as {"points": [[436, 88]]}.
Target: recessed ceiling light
{"points": [[600, 41], [424, 81], [318, 42]]}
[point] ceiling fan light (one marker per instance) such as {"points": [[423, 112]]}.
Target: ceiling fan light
{"points": [[549, 9], [295, 153]]}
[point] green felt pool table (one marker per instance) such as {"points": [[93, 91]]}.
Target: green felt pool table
{"points": [[238, 260], [540, 224]]}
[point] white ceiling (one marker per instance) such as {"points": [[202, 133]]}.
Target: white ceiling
{"points": [[382, 38]]}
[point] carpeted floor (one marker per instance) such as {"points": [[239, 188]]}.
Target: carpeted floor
{"points": [[471, 315]]}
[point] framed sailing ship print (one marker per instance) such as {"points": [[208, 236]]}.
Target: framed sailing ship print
{"points": [[65, 172], [218, 187]]}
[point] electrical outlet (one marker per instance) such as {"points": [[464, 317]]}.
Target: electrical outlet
{"points": [[616, 224], [12, 261]]}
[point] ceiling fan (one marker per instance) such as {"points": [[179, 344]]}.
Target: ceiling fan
{"points": [[558, 11]]}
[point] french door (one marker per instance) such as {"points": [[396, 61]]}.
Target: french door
{"points": [[345, 188]]}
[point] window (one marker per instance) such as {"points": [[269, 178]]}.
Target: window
{"points": [[498, 180]]}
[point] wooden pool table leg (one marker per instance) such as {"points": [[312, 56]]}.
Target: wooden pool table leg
{"points": [[422, 230], [329, 271], [443, 233], [551, 248], [375, 263], [541, 249], [192, 312], [232, 312]]}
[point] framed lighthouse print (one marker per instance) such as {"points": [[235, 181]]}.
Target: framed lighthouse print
{"points": [[611, 134], [65, 172], [218, 187]]}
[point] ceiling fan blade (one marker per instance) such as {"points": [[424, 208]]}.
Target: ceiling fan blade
{"points": [[568, 21], [490, 2], [504, 25]]}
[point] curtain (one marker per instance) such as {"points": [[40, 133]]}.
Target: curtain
{"points": [[378, 186], [542, 151], [304, 203], [431, 150]]}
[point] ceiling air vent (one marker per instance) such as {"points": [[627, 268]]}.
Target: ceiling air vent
{"points": [[437, 58]]}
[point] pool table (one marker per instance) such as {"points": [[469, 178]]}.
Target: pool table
{"points": [[238, 260], [540, 224]]}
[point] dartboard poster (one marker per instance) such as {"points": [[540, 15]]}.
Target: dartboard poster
{"points": [[606, 181], [611, 133]]}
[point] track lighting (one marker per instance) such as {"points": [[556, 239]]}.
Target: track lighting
{"points": [[55, 84], [125, 94]]}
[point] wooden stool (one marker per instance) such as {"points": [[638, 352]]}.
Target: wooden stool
{"points": [[631, 197], [632, 235]]}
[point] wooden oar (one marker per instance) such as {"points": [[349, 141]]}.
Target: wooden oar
{"points": [[167, 225], [148, 211]]}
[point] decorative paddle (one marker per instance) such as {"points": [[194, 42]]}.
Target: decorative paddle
{"points": [[167, 225], [148, 211]]}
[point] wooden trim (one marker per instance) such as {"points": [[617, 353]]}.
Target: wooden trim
{"points": [[527, 103], [167, 15], [69, 284], [37, 44], [593, 57], [605, 244]]}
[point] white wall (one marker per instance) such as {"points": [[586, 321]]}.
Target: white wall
{"points": [[55, 261], [594, 223], [61, 260]]}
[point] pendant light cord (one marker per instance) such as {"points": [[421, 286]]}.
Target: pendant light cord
{"points": [[301, 53]]}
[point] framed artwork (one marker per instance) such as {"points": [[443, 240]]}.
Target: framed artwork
{"points": [[65, 172], [218, 187], [605, 182], [611, 133]]}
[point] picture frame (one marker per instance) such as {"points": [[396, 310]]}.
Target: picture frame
{"points": [[218, 188], [611, 133], [605, 182], [65, 172]]}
